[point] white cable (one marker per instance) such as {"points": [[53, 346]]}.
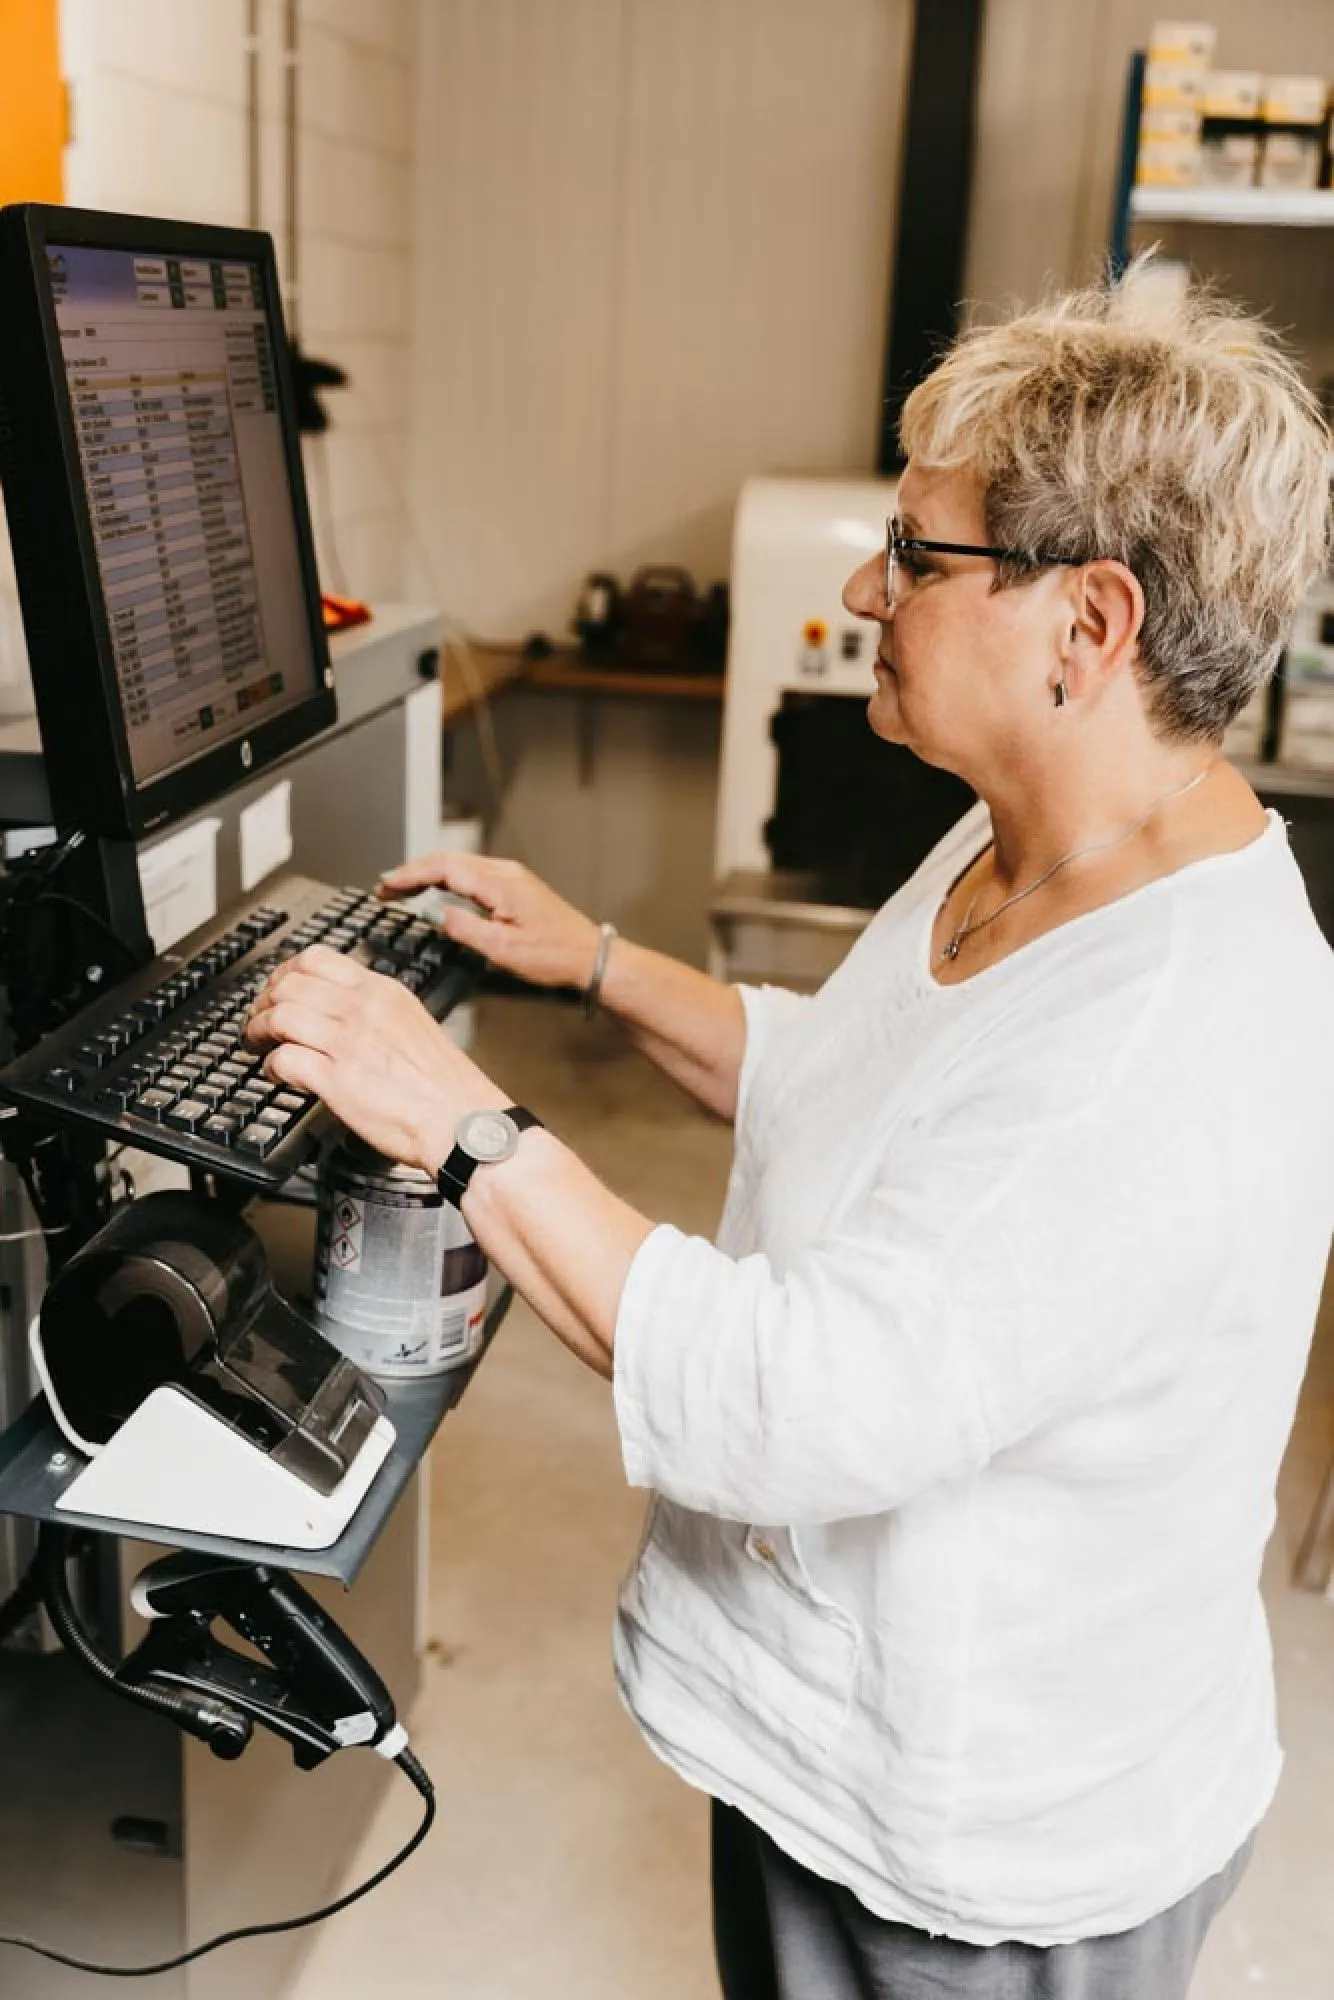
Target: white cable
{"points": [[38, 1353]]}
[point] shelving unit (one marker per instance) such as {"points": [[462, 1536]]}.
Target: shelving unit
{"points": [[1267, 208], [1241, 207]]}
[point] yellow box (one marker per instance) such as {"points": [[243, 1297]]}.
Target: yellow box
{"points": [[1232, 93], [1294, 100], [1168, 163], [1188, 42], [1173, 86], [1168, 121]]}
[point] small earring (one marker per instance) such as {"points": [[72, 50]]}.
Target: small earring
{"points": [[1062, 694]]}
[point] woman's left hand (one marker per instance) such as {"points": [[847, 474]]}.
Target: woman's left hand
{"points": [[370, 1050]]}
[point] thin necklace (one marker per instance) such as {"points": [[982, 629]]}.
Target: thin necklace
{"points": [[969, 929]]}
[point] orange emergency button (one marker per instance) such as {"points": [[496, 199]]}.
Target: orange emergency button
{"points": [[815, 631]]}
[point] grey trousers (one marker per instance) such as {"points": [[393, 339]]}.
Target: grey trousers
{"points": [[785, 1934]]}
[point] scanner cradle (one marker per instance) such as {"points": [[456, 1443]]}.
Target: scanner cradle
{"points": [[202, 1400]]}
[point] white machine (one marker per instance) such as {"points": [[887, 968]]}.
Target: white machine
{"points": [[795, 544]]}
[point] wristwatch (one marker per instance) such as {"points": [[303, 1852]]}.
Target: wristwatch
{"points": [[480, 1140]]}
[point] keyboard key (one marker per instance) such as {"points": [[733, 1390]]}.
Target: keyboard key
{"points": [[152, 1103], [293, 1100], [211, 1093], [190, 1112], [62, 1077], [92, 1053], [117, 1096], [220, 1128], [258, 1138], [271, 1115]]}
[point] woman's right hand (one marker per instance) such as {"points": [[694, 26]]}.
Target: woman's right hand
{"points": [[526, 927]]}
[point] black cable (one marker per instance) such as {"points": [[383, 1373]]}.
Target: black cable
{"points": [[221, 1728], [406, 1762]]}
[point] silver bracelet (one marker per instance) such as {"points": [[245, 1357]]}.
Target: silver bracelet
{"points": [[593, 990]]}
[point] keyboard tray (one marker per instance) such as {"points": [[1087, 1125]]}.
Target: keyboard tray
{"points": [[159, 1063]]}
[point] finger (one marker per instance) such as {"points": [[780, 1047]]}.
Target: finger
{"points": [[288, 1020], [482, 934], [318, 970], [479, 876], [302, 1068], [321, 961]]}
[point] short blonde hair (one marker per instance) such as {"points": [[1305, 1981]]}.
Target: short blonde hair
{"points": [[1165, 429]]}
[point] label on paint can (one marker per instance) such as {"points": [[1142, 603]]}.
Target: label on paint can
{"points": [[400, 1284]]}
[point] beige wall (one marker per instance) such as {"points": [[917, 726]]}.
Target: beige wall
{"points": [[653, 241], [157, 91]]}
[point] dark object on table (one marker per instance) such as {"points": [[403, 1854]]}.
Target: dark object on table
{"points": [[659, 620], [663, 624], [715, 618], [597, 615]]}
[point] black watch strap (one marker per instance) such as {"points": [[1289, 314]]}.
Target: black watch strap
{"points": [[458, 1170]]}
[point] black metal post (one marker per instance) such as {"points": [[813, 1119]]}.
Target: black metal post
{"points": [[935, 190]]}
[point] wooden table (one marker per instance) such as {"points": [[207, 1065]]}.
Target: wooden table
{"points": [[479, 671]]}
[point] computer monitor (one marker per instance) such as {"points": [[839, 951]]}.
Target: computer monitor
{"points": [[153, 485]]}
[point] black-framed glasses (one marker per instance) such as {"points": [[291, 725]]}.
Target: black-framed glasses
{"points": [[897, 545]]}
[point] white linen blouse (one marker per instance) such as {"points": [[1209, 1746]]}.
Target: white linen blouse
{"points": [[964, 1435]]}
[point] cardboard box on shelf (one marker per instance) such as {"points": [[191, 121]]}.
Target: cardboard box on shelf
{"points": [[1168, 163], [1294, 100], [1229, 159], [1289, 160], [1170, 123], [1169, 146], [1232, 93], [1173, 86], [1188, 43]]}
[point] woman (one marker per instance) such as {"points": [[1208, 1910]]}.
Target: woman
{"points": [[964, 1435]]}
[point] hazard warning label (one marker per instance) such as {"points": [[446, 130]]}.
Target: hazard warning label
{"points": [[345, 1233]]}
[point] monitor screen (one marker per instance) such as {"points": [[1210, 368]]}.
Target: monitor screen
{"points": [[157, 508], [170, 368]]}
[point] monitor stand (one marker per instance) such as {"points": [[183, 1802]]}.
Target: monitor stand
{"points": [[72, 925]]}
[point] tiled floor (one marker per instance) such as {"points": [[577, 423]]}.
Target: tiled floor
{"points": [[568, 1865]]}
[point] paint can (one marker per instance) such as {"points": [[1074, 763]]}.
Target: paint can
{"points": [[400, 1283]]}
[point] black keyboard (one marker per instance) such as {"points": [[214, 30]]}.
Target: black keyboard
{"points": [[160, 1062]]}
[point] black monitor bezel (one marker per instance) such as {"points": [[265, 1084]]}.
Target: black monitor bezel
{"points": [[79, 711]]}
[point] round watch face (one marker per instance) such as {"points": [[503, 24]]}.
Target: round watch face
{"points": [[487, 1135]]}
